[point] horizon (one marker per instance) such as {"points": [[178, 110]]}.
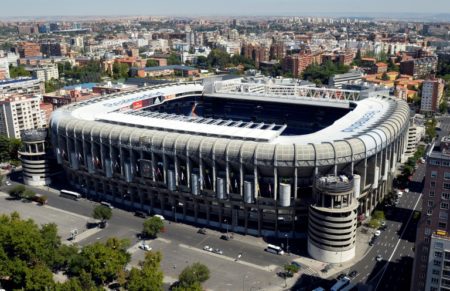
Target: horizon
{"points": [[204, 8]]}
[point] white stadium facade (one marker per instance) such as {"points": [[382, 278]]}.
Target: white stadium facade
{"points": [[260, 159]]}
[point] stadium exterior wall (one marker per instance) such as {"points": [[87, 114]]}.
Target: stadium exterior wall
{"points": [[222, 182]]}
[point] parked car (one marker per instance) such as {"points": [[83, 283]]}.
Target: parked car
{"points": [[208, 248], [140, 214], [377, 233], [159, 216], [225, 237], [341, 276], [218, 251], [379, 258], [202, 231], [8, 183], [145, 247], [353, 274]]}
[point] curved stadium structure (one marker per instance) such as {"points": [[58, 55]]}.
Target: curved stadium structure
{"points": [[259, 159]]}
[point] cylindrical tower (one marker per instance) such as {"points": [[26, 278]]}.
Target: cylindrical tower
{"points": [[37, 160], [332, 220]]}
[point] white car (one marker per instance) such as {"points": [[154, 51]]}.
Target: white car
{"points": [[377, 233], [379, 258], [406, 190], [8, 183], [145, 247], [400, 193], [159, 216], [208, 248]]}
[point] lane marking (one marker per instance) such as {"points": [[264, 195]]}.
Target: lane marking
{"points": [[398, 242]]}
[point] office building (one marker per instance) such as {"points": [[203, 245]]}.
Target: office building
{"points": [[432, 94], [20, 113]]}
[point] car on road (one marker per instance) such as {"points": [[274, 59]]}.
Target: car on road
{"points": [[341, 276], [353, 274], [140, 214], [379, 258], [377, 233], [106, 204], [406, 190], [159, 216], [218, 251], [208, 248], [145, 247], [225, 237], [8, 183], [373, 240], [400, 193], [202, 231]]}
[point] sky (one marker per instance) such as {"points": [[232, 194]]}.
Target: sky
{"points": [[17, 8]]}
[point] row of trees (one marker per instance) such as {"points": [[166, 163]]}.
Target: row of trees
{"points": [[320, 74], [31, 254]]}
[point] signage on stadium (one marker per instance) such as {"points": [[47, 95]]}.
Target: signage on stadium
{"points": [[133, 99], [360, 122]]}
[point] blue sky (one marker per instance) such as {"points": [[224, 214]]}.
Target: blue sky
{"points": [[11, 8]]}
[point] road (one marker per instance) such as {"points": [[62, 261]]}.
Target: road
{"points": [[395, 244]]}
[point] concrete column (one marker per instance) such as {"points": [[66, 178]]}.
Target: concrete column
{"points": [[275, 183], [153, 166], [295, 183]]}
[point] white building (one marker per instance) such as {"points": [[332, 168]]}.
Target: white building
{"points": [[4, 68], [432, 93], [20, 113], [416, 132], [438, 274], [25, 86], [46, 73]]}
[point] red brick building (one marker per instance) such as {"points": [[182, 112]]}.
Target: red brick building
{"points": [[296, 64]]}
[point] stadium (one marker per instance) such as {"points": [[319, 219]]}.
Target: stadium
{"points": [[259, 159]]}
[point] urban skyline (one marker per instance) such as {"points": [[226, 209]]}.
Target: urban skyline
{"points": [[382, 8]]}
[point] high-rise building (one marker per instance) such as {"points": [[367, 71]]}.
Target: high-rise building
{"points": [[53, 49], [435, 214], [432, 93], [45, 73], [438, 274], [20, 113], [277, 51], [256, 52], [4, 68]]}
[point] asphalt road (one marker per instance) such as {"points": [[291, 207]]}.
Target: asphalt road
{"points": [[395, 244]]}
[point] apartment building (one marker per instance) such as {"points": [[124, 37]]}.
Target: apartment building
{"points": [[438, 274], [21, 86], [419, 68], [45, 73], [20, 113], [28, 49], [296, 64], [435, 214], [432, 93]]}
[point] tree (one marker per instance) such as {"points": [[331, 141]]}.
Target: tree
{"points": [[39, 278], [149, 276], [218, 58], [18, 71], [17, 191], [443, 107], [102, 212], [194, 274], [28, 194], [120, 71], [385, 77], [152, 63], [291, 268], [322, 73], [152, 226], [173, 59]]}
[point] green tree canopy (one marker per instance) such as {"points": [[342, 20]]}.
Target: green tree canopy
{"points": [[218, 58], [322, 73], [152, 63], [102, 212], [152, 226], [173, 59], [18, 71], [120, 71], [16, 191], [193, 275], [149, 277]]}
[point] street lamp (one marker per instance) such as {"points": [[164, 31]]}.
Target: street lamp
{"points": [[225, 220], [287, 243], [174, 211]]}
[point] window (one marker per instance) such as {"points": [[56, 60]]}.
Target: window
{"points": [[433, 289], [430, 203], [438, 245], [442, 225], [436, 272], [446, 186], [447, 255], [444, 205], [432, 184], [427, 231], [438, 254], [424, 258], [446, 175], [428, 222], [434, 280], [431, 193], [430, 212], [433, 174], [434, 162], [446, 163], [436, 262], [445, 196]]}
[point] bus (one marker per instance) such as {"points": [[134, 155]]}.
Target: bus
{"points": [[341, 284], [274, 249], [69, 194]]}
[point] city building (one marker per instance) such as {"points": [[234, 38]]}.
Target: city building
{"points": [[178, 70], [435, 213], [28, 49], [241, 156], [20, 113], [277, 51], [257, 53], [45, 73], [21, 86], [351, 77], [296, 64], [4, 68], [438, 274], [419, 68], [53, 49], [416, 132], [432, 93]]}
